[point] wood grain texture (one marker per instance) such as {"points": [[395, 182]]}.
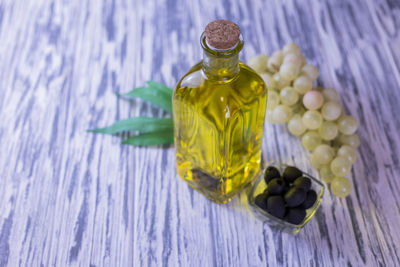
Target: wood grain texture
{"points": [[71, 198]]}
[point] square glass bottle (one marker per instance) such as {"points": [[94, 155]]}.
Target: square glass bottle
{"points": [[219, 110]]}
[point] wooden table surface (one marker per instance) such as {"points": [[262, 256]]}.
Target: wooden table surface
{"points": [[71, 198]]}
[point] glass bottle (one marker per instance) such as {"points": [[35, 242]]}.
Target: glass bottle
{"points": [[219, 108]]}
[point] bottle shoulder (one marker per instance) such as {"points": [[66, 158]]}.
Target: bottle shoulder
{"points": [[193, 78], [246, 78], [252, 76]]}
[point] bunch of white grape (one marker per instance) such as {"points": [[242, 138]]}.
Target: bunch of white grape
{"points": [[312, 114]]}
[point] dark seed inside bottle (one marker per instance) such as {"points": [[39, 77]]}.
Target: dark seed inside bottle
{"points": [[204, 180]]}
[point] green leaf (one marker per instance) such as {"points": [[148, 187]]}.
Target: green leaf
{"points": [[161, 87], [157, 94], [150, 139], [141, 124]]}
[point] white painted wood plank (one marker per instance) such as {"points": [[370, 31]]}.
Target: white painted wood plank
{"points": [[70, 198]]}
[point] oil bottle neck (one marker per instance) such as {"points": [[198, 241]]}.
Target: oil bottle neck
{"points": [[219, 64], [224, 68]]}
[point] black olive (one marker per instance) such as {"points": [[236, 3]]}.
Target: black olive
{"points": [[303, 182], [295, 197], [276, 206], [271, 173], [286, 188], [266, 193], [276, 186], [261, 201], [291, 173], [295, 216], [310, 199]]}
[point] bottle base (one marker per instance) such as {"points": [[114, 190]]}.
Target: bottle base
{"points": [[215, 189]]}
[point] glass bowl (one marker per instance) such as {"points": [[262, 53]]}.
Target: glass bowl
{"points": [[259, 186]]}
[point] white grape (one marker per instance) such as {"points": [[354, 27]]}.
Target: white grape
{"points": [[352, 140], [331, 111], [348, 152], [289, 96], [324, 154], [258, 63], [312, 119], [289, 71], [297, 59], [311, 71], [291, 48], [328, 130], [268, 80], [313, 100], [341, 186], [280, 81], [347, 125], [281, 114], [272, 99], [302, 84], [314, 161], [296, 126], [319, 89], [311, 140], [275, 61], [330, 94], [340, 166], [326, 173], [269, 116], [303, 60]]}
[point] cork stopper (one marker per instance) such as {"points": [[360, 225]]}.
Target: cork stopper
{"points": [[222, 34]]}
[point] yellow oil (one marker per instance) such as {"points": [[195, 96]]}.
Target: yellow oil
{"points": [[218, 126]]}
